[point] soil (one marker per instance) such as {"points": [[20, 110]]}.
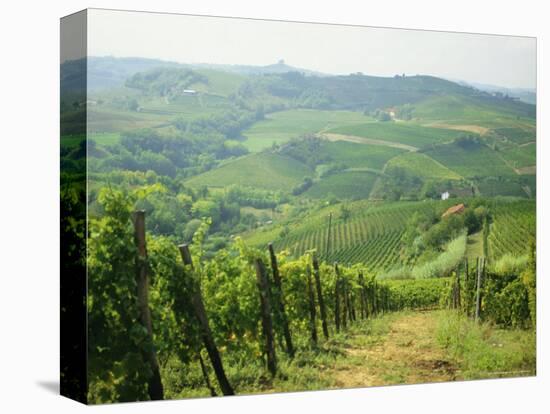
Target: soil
{"points": [[408, 354]]}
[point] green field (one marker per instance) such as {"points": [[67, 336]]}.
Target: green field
{"points": [[521, 156], [279, 127], [343, 185], [71, 141], [265, 171], [185, 107], [371, 235], [517, 135], [105, 119], [423, 166], [354, 155], [219, 83], [512, 229], [486, 112], [404, 133], [503, 186], [479, 160], [105, 138]]}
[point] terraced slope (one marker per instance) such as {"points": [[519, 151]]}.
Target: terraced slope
{"points": [[512, 228], [265, 171], [371, 235]]}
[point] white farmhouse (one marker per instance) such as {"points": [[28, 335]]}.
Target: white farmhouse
{"points": [[445, 195]]}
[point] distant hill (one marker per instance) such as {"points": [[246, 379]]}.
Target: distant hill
{"points": [[305, 88], [108, 72], [527, 95], [276, 68]]}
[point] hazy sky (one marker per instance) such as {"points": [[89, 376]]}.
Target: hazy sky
{"points": [[498, 60]]}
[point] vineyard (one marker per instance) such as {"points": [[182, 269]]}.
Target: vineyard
{"points": [[512, 228], [241, 231], [370, 236], [248, 315]]}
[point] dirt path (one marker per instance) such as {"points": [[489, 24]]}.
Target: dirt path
{"points": [[467, 128], [372, 141], [408, 353]]}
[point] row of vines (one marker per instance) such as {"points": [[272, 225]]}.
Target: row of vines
{"points": [[372, 236], [513, 225], [158, 310]]}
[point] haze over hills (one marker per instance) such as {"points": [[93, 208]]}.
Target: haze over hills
{"points": [[107, 71], [233, 187], [527, 95], [354, 91]]}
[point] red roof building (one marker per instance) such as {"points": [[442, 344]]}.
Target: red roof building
{"points": [[459, 208]]}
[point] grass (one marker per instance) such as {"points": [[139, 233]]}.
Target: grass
{"points": [[517, 135], [478, 160], [265, 171], [312, 368], [343, 185], [279, 127], [403, 133], [354, 155], [483, 351], [423, 166], [71, 141], [501, 186], [106, 119], [105, 138], [185, 107], [521, 156], [445, 262], [219, 82], [486, 112], [474, 245]]}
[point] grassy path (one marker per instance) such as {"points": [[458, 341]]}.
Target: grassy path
{"points": [[408, 347], [404, 351]]}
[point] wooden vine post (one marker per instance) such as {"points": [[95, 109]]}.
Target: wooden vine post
{"points": [[337, 298], [312, 313], [206, 377], [200, 314], [155, 388], [480, 265], [278, 298], [345, 307], [466, 288], [458, 292], [362, 296], [352, 300], [265, 308], [320, 300], [328, 236], [375, 298]]}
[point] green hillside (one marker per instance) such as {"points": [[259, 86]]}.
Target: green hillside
{"points": [[404, 133], [354, 155], [371, 235], [265, 171], [421, 165], [477, 109], [521, 156], [475, 160], [343, 185], [279, 127], [219, 83]]}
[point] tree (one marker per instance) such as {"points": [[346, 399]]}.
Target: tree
{"points": [[345, 212], [207, 208]]}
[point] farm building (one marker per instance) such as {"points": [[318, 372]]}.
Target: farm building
{"points": [[191, 92], [445, 195], [459, 208]]}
